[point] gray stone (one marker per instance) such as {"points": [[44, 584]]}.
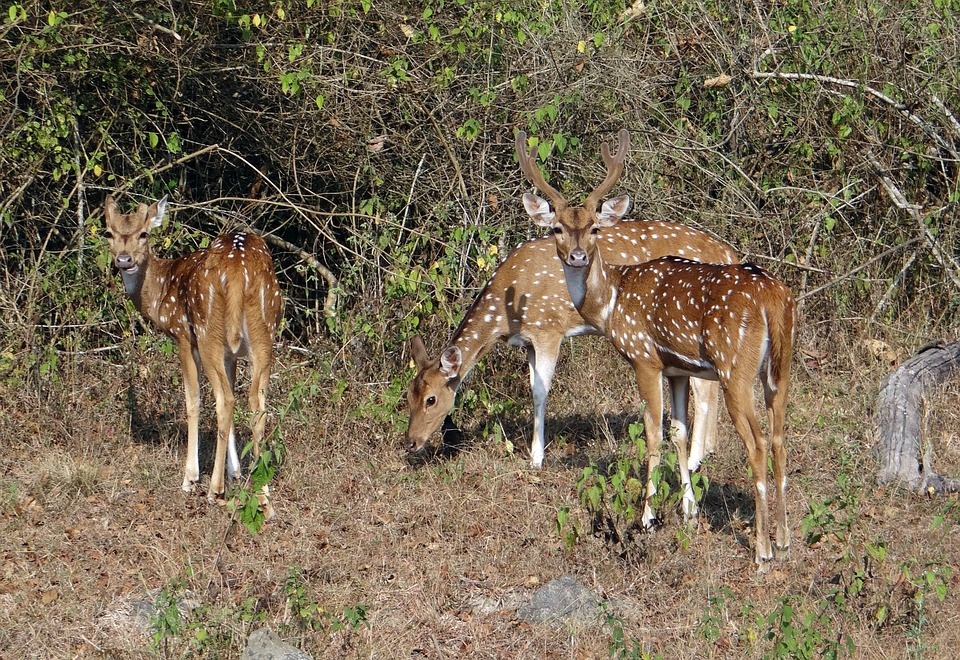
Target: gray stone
{"points": [[562, 600], [264, 644]]}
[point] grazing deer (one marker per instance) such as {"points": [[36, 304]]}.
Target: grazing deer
{"points": [[526, 304], [677, 318], [218, 304]]}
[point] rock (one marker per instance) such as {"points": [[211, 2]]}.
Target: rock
{"points": [[563, 599], [264, 644]]}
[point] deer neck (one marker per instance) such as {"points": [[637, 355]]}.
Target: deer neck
{"points": [[593, 290], [476, 334], [146, 287]]}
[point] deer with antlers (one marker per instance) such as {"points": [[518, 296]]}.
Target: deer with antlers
{"points": [[217, 304], [526, 304], [676, 318]]}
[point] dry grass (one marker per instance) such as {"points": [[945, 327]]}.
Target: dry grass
{"points": [[442, 554]]}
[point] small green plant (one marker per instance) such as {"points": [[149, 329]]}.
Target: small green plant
{"points": [[712, 619], [308, 615], [566, 528], [799, 634], [9, 494], [613, 497], [620, 646], [449, 471], [166, 622], [930, 582], [246, 500], [832, 516]]}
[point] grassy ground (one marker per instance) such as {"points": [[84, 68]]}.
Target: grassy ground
{"points": [[371, 556]]}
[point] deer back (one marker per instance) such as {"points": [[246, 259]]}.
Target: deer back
{"points": [[700, 317]]}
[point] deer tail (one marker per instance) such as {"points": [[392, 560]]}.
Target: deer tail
{"points": [[781, 329], [233, 317]]}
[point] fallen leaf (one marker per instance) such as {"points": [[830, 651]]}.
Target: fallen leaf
{"points": [[633, 10], [719, 81]]}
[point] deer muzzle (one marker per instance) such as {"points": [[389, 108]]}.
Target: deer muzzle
{"points": [[413, 444], [578, 258], [125, 262]]}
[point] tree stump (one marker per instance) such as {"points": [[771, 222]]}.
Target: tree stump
{"points": [[905, 457]]}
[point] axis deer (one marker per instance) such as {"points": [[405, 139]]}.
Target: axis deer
{"points": [[526, 304], [218, 304], [676, 318]]}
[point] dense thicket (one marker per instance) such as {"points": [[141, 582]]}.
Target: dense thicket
{"points": [[377, 136]]}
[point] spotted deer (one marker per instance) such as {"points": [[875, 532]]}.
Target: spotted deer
{"points": [[526, 304], [217, 304], [676, 318]]}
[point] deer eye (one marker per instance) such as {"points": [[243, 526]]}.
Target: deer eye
{"points": [[108, 234], [557, 230], [431, 401], [595, 230], [143, 236]]}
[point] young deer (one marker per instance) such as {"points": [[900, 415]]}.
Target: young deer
{"points": [[677, 318], [526, 304], [218, 304]]}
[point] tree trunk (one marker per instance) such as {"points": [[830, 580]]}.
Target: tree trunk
{"points": [[900, 432]]}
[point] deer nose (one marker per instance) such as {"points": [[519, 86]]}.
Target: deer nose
{"points": [[124, 261], [577, 258], [410, 444]]}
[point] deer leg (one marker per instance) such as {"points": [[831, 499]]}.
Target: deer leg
{"points": [[261, 358], [678, 428], [739, 397], [650, 383], [190, 365], [706, 401], [233, 458], [776, 402], [217, 373], [543, 362]]}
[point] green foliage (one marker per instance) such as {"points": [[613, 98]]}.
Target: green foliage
{"points": [[804, 634], [449, 471], [833, 517], [613, 497], [167, 621], [9, 494], [306, 615], [621, 647], [246, 500]]}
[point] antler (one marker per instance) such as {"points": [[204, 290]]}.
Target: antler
{"points": [[528, 165], [614, 168]]}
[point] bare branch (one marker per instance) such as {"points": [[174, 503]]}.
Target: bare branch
{"points": [[331, 300], [900, 107], [948, 263]]}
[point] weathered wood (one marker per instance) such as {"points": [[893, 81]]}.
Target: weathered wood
{"points": [[900, 433]]}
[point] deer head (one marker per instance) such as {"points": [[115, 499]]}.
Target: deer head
{"points": [[431, 394], [575, 228], [128, 235]]}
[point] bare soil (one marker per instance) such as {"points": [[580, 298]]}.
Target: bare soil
{"points": [[437, 556]]}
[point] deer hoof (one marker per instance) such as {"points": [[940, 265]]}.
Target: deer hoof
{"points": [[652, 524]]}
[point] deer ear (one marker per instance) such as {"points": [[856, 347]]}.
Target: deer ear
{"points": [[613, 210], [419, 353], [450, 362], [156, 212], [538, 209], [110, 207]]}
